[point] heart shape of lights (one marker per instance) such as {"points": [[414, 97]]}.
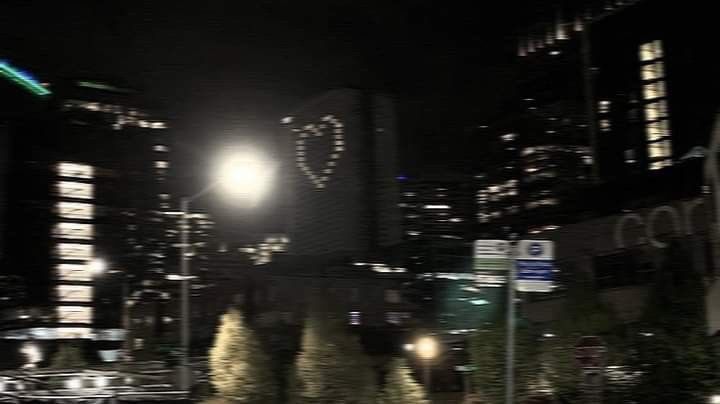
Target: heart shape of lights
{"points": [[329, 123]]}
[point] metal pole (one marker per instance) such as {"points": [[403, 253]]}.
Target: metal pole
{"points": [[510, 343], [126, 318], [184, 296], [427, 378]]}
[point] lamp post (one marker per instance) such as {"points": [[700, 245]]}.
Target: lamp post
{"points": [[245, 175]]}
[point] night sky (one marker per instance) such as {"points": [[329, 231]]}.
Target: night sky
{"points": [[229, 70]]}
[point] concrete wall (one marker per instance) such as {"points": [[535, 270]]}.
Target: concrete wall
{"points": [[645, 233]]}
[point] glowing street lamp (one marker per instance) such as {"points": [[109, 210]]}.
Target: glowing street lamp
{"points": [[426, 348], [243, 174]]}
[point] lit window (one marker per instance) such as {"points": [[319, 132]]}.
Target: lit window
{"points": [[72, 251], [656, 110], [78, 231], [161, 164], [604, 106], [73, 273], [78, 190], [75, 210], [164, 197], [138, 343], [655, 89], [74, 170], [605, 125], [392, 296], [659, 149], [74, 293], [656, 130], [160, 148], [651, 51], [74, 314], [508, 137], [652, 71], [355, 318]]}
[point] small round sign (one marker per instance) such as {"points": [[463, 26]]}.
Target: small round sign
{"points": [[535, 249]]}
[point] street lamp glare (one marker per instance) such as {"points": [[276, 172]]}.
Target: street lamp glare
{"points": [[98, 266], [426, 348], [246, 175]]}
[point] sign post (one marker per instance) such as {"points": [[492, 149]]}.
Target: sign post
{"points": [[590, 354], [525, 266], [510, 344]]}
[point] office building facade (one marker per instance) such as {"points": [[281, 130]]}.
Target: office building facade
{"points": [[87, 187], [343, 148]]}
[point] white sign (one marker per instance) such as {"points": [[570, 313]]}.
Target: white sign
{"points": [[491, 262], [491, 248]]}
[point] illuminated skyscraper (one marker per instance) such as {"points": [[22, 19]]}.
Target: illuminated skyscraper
{"points": [[344, 193], [86, 181]]}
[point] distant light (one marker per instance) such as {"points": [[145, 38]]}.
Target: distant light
{"points": [[409, 347], [74, 383], [436, 206], [715, 399], [32, 353], [176, 277], [101, 86], [401, 178], [548, 335], [479, 302], [101, 381], [97, 266], [287, 120], [23, 79], [555, 52]]}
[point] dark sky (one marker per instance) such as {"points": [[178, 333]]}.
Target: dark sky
{"points": [[224, 69]]}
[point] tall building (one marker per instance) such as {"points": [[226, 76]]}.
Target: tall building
{"points": [[343, 148], [656, 87], [537, 159], [86, 180]]}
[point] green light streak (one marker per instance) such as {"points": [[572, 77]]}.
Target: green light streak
{"points": [[22, 79], [101, 86]]}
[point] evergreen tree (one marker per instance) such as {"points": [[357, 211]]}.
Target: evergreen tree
{"points": [[239, 370], [68, 356], [674, 353], [400, 386], [331, 367]]}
